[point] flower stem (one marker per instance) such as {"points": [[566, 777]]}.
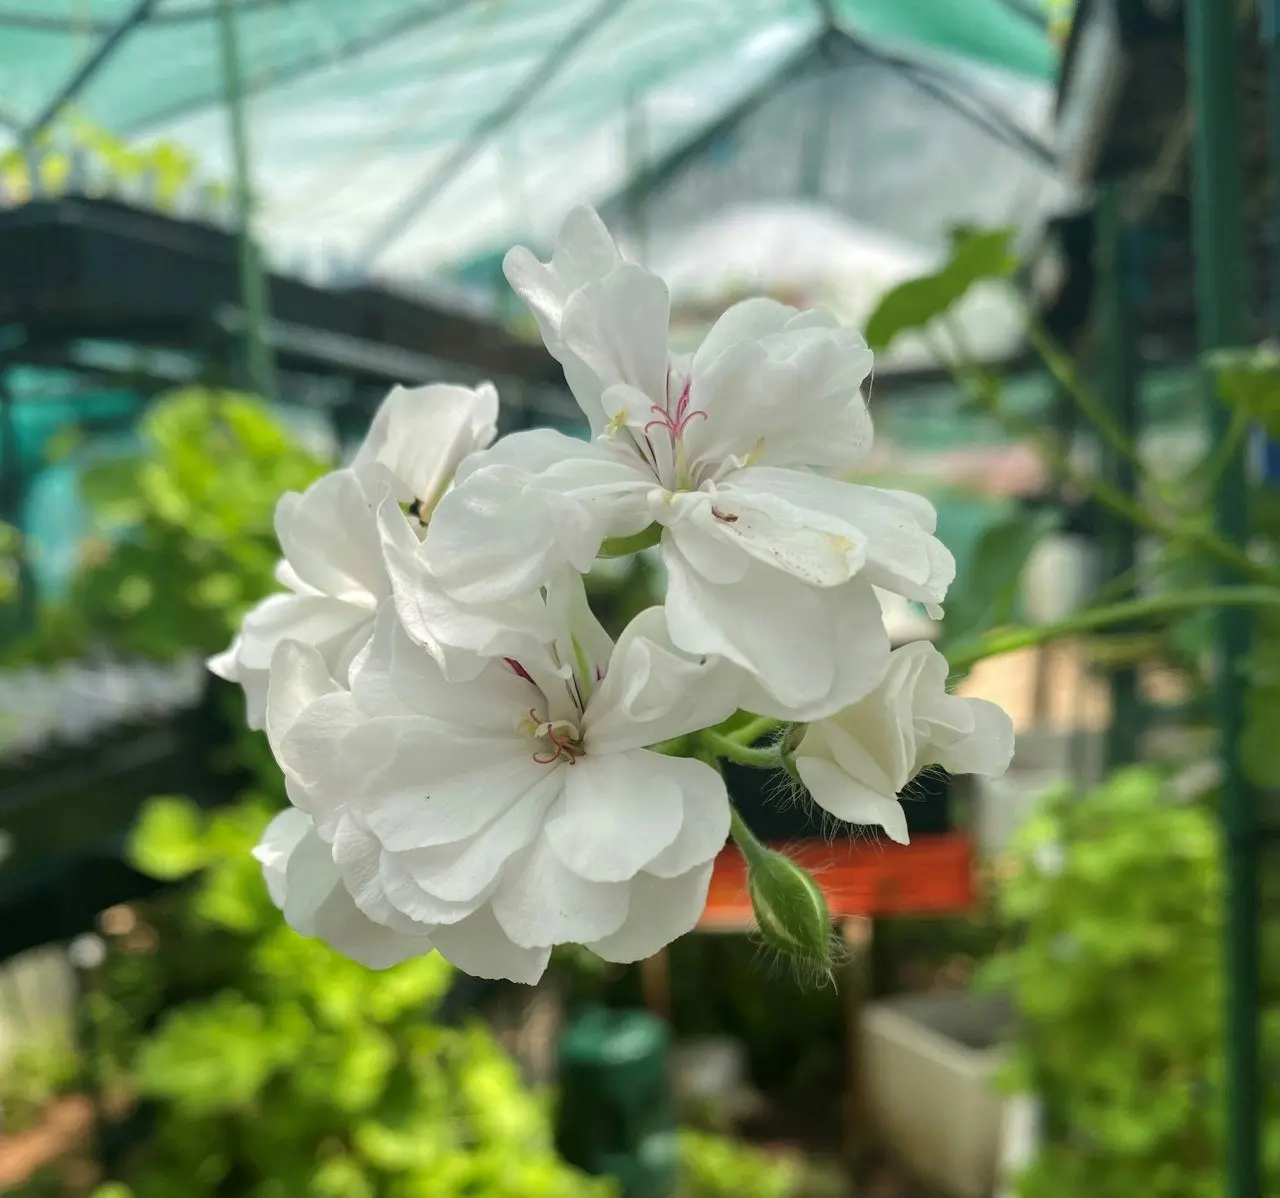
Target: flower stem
{"points": [[622, 546], [980, 385], [748, 734], [733, 750], [743, 836], [1011, 639]]}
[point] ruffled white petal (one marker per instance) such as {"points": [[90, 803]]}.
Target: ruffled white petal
{"points": [[662, 910], [419, 437]]}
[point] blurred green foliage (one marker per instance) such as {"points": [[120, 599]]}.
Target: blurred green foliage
{"points": [[114, 165], [184, 540], [1117, 979], [278, 1067]]}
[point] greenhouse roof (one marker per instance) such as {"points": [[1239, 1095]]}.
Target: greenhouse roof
{"points": [[412, 138]]}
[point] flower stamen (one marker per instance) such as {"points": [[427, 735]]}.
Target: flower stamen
{"points": [[566, 741]]}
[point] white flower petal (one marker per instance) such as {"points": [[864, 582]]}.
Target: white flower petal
{"points": [[662, 910], [542, 902], [418, 438], [478, 946], [458, 636], [791, 399], [745, 322], [619, 811], [584, 252], [617, 327], [360, 862], [818, 549], [398, 676], [280, 837], [503, 531], [311, 619], [847, 799], [413, 811], [988, 750], [318, 905], [771, 625], [462, 871], [705, 826], [902, 554], [654, 691], [328, 536]]}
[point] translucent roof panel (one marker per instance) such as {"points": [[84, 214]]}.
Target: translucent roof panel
{"points": [[402, 138]]}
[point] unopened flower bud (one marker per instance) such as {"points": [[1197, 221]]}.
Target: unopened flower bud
{"points": [[789, 907]]}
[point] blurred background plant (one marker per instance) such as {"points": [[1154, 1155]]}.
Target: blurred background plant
{"points": [[1113, 902]]}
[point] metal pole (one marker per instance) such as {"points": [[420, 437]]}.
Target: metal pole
{"points": [[1219, 257], [253, 282], [1270, 22], [1120, 389], [86, 70]]}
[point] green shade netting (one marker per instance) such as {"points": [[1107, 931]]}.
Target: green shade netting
{"points": [[407, 137]]}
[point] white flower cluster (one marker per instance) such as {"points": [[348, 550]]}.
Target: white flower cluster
{"points": [[470, 758]]}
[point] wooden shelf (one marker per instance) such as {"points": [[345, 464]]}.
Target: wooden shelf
{"points": [[934, 875]]}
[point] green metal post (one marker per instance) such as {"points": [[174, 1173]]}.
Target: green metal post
{"points": [[1219, 256], [615, 1116], [253, 283], [1120, 391]]}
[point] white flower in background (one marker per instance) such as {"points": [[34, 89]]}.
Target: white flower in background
{"points": [[521, 808], [333, 569], [770, 563], [856, 763]]}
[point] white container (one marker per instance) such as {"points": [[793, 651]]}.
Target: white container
{"points": [[929, 1064], [1061, 576]]}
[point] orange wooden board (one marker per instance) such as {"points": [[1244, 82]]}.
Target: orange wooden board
{"points": [[933, 875]]}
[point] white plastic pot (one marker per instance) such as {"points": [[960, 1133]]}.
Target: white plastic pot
{"points": [[1061, 576], [929, 1064]]}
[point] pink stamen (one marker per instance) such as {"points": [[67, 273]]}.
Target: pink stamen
{"points": [[518, 668], [674, 425]]}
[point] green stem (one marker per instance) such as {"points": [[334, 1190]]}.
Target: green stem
{"points": [[1225, 454], [981, 387], [1064, 371], [748, 734], [1010, 640], [732, 750], [622, 546], [743, 836]]}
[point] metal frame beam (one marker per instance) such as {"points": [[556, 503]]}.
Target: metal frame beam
{"points": [[963, 101], [1217, 227], [352, 48], [183, 16], [110, 42], [637, 190], [393, 225]]}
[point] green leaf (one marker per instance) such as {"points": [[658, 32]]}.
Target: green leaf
{"points": [[1248, 381], [975, 256], [168, 839], [989, 592]]}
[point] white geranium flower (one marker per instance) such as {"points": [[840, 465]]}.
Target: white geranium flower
{"points": [[332, 568], [855, 763], [770, 563], [521, 808]]}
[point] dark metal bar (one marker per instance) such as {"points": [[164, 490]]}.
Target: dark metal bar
{"points": [[950, 93], [1270, 29], [440, 177], [1118, 337], [111, 41], [1218, 221], [253, 281], [352, 48]]}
